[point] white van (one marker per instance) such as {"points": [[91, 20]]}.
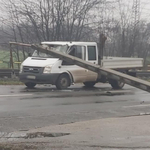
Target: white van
{"points": [[42, 68]]}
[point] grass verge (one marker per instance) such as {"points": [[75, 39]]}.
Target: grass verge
{"points": [[10, 82]]}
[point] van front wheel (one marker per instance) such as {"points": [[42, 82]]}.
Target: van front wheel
{"points": [[89, 84], [30, 85], [63, 82]]}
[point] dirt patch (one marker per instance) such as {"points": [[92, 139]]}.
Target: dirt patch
{"points": [[17, 147]]}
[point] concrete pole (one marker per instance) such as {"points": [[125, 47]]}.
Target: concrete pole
{"points": [[102, 39]]}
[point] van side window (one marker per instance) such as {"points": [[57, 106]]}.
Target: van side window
{"points": [[77, 51], [72, 51], [91, 52]]}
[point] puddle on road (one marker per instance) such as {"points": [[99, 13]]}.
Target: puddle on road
{"points": [[44, 134], [31, 135], [63, 94], [90, 102], [72, 89]]}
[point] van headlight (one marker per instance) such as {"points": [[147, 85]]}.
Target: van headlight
{"points": [[21, 69], [47, 69]]}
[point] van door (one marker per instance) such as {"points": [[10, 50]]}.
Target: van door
{"points": [[79, 74], [92, 58]]}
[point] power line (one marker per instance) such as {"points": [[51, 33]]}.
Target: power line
{"points": [[135, 13]]}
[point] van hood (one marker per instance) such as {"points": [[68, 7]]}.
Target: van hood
{"points": [[39, 62]]}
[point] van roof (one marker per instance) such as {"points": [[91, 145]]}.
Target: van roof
{"points": [[68, 43]]}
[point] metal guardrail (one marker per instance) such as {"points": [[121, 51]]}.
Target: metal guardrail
{"points": [[143, 73], [8, 73]]}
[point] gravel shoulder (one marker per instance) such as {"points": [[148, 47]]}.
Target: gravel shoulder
{"points": [[120, 133]]}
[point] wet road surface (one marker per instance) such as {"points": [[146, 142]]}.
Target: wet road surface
{"points": [[23, 109]]}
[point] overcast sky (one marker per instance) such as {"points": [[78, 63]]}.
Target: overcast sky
{"points": [[144, 7]]}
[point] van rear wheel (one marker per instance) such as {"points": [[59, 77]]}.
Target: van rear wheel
{"points": [[30, 85], [63, 82], [89, 84], [116, 84]]}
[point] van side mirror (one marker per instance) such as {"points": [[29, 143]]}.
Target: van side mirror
{"points": [[29, 54]]}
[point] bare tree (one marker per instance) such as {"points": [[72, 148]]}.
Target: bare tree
{"points": [[73, 20]]}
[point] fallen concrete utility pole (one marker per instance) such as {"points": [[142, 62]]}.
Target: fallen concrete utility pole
{"points": [[109, 73]]}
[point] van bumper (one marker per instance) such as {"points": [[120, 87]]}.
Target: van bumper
{"points": [[39, 78]]}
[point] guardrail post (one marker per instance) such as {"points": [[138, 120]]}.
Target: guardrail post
{"points": [[11, 63], [11, 58]]}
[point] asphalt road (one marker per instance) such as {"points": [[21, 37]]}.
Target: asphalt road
{"points": [[23, 109]]}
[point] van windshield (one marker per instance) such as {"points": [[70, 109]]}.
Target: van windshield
{"points": [[59, 48]]}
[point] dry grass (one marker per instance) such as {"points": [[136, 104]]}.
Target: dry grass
{"points": [[10, 82]]}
